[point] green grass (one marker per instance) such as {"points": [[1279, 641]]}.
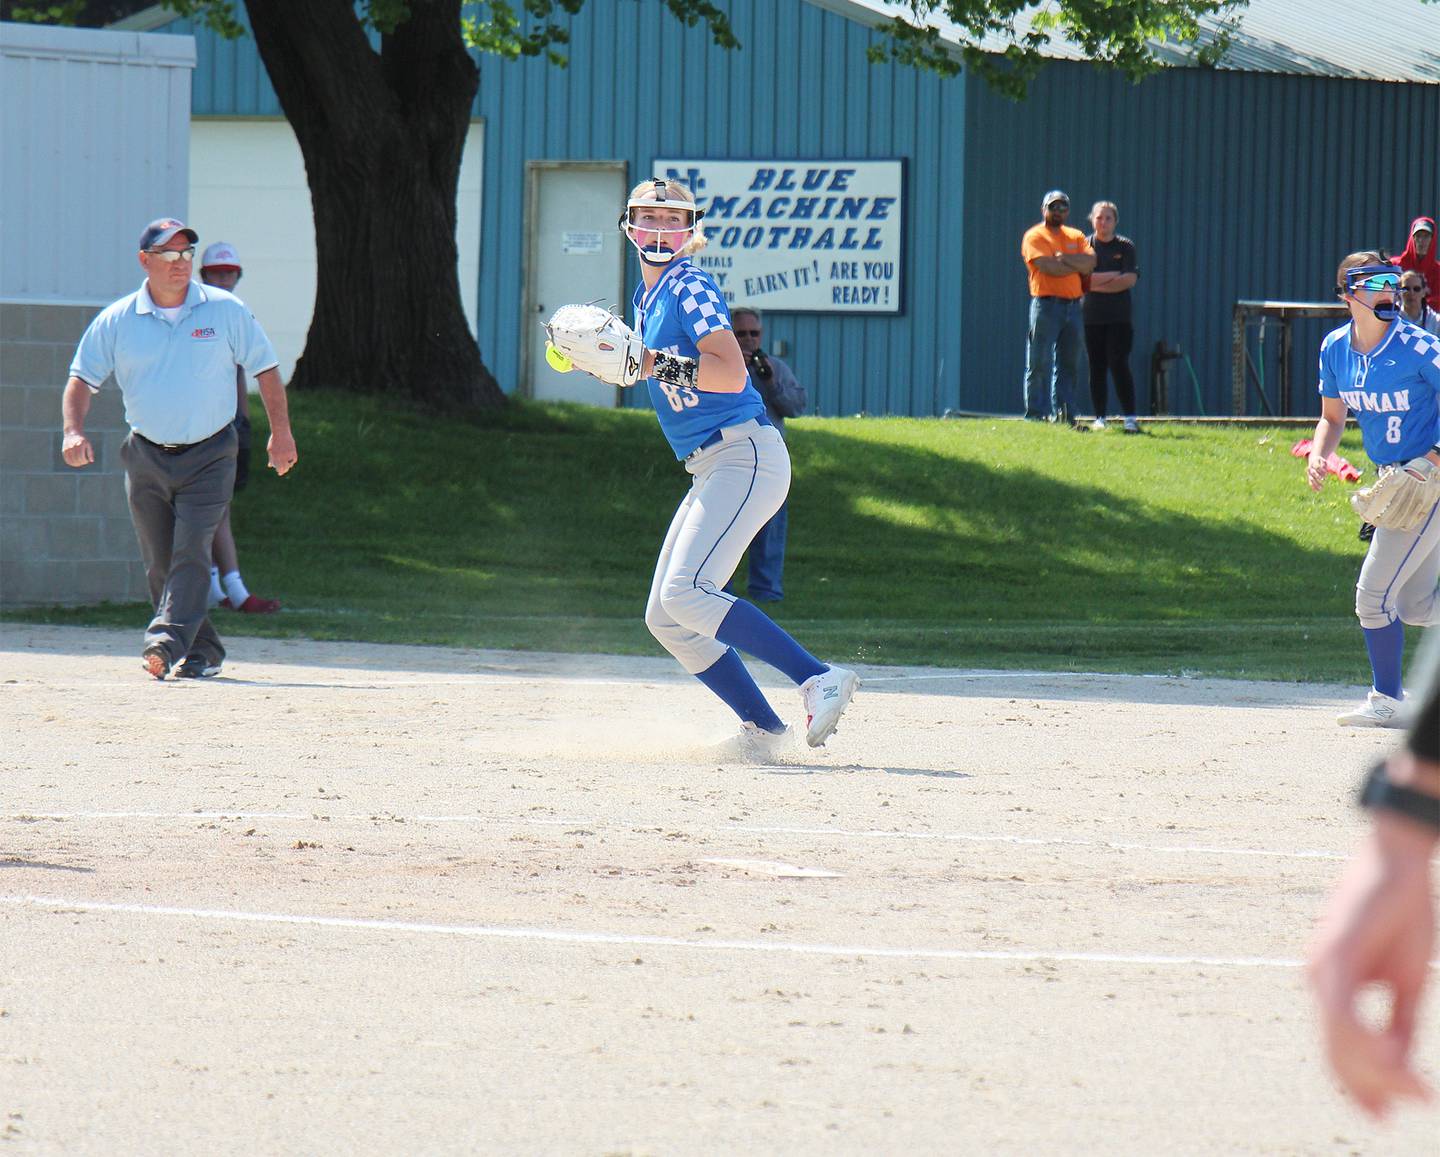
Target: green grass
{"points": [[965, 543]]}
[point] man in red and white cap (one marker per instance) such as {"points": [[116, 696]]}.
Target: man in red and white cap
{"points": [[220, 266]]}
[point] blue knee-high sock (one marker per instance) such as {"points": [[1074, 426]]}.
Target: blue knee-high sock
{"points": [[729, 679], [748, 628], [1386, 645]]}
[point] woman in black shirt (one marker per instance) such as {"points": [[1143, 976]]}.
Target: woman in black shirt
{"points": [[1109, 333]]}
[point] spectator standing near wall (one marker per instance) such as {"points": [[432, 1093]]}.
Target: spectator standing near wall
{"points": [[1109, 325], [220, 266], [1413, 307], [1055, 256], [784, 397], [1420, 256]]}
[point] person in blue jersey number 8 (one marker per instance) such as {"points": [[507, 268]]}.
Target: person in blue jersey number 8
{"points": [[1386, 370], [684, 350]]}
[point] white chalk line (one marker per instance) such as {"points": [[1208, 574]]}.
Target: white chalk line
{"points": [[707, 829], [502, 680], [313, 679], [1041, 841], [1040, 675], [325, 679], [565, 936]]}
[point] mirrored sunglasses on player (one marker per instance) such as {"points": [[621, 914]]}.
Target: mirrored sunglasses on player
{"points": [[172, 255], [1372, 279]]}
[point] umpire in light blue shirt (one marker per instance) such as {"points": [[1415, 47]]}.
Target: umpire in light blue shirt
{"points": [[173, 346]]}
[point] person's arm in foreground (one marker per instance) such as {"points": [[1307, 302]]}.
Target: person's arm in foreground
{"points": [[1379, 929]]}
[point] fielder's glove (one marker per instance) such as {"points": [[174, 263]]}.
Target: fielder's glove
{"points": [[1402, 497], [598, 342]]}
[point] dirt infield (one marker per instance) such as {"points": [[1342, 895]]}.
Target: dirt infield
{"points": [[367, 899]]}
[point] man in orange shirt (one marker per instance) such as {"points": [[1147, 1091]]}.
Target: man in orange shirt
{"points": [[1056, 256]]}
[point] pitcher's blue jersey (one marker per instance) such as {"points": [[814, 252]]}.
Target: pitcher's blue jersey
{"points": [[682, 308], [1394, 390]]}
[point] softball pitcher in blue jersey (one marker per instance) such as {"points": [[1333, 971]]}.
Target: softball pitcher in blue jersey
{"points": [[1385, 370], [714, 419]]}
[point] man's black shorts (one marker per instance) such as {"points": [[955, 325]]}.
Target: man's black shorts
{"points": [[242, 457]]}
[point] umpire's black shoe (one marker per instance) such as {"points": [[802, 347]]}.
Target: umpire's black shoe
{"points": [[197, 667], [155, 660]]}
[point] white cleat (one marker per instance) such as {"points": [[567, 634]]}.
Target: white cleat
{"points": [[754, 744], [1377, 711], [826, 695]]}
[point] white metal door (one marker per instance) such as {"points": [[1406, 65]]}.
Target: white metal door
{"points": [[576, 254]]}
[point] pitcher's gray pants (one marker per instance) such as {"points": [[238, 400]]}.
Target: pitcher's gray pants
{"points": [[739, 483], [176, 502]]}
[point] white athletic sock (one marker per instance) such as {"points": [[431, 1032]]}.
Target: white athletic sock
{"points": [[235, 589], [216, 591]]}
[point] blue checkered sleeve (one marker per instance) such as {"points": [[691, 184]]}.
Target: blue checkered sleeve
{"points": [[1427, 345], [702, 309]]}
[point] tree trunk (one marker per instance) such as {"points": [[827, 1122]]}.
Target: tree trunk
{"points": [[382, 136]]}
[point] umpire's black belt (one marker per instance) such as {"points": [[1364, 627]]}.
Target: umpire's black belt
{"points": [[176, 447]]}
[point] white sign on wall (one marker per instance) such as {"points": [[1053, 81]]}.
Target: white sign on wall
{"points": [[581, 242], [800, 236]]}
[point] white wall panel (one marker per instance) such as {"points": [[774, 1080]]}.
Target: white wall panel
{"points": [[248, 187], [94, 143]]}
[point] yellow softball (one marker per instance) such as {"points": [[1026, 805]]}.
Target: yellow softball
{"points": [[557, 360]]}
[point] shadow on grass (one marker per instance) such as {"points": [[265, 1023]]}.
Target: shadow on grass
{"points": [[987, 540]]}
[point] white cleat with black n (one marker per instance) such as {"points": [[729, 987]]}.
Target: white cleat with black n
{"points": [[1377, 711], [826, 696]]}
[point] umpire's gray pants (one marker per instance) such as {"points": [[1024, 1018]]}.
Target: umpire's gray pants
{"points": [[176, 502]]}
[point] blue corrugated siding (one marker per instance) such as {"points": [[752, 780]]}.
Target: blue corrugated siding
{"points": [[230, 78], [1231, 185], [756, 104], [1224, 182]]}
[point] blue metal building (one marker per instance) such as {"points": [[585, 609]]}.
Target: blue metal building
{"points": [[1244, 182]]}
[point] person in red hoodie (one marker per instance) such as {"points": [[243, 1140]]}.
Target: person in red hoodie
{"points": [[1419, 255]]}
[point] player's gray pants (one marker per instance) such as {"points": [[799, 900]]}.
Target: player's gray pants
{"points": [[176, 502], [1397, 579], [739, 483]]}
